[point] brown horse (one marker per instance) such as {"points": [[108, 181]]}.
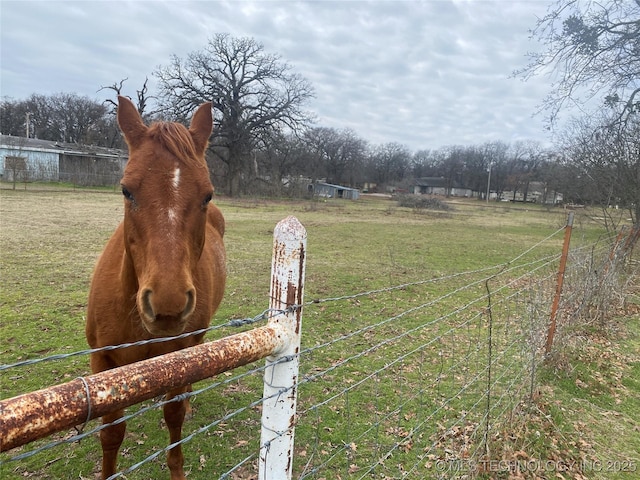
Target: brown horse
{"points": [[162, 273]]}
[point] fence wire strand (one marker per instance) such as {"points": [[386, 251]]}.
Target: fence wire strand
{"points": [[474, 349]]}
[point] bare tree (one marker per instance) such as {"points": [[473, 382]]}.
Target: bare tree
{"points": [[12, 117], [592, 48], [255, 94], [63, 117], [608, 162], [338, 155], [42, 116], [389, 164], [76, 117], [142, 97], [523, 166], [277, 162], [15, 165]]}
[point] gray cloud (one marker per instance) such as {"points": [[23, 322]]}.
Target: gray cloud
{"points": [[424, 74]]}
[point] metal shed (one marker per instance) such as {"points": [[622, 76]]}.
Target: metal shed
{"points": [[31, 159], [328, 190], [27, 159]]}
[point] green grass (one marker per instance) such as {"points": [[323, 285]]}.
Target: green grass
{"points": [[49, 240], [594, 385]]}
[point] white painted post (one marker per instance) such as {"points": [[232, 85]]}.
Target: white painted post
{"points": [[281, 373]]}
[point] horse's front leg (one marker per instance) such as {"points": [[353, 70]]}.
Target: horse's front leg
{"points": [[111, 439], [112, 436], [174, 413]]}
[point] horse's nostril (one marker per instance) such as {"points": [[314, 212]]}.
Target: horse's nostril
{"points": [[147, 308], [191, 303]]}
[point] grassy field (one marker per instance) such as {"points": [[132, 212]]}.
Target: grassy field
{"points": [[49, 241]]}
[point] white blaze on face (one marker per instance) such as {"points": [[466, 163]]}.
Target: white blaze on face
{"points": [[175, 183], [176, 178]]}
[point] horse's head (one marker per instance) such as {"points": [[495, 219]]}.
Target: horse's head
{"points": [[167, 191]]}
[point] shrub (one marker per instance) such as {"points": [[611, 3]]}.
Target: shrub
{"points": [[423, 202]]}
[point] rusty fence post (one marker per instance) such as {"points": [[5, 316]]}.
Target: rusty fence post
{"points": [[34, 415], [281, 372], [559, 283]]}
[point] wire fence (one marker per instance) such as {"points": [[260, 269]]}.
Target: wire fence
{"points": [[421, 380]]}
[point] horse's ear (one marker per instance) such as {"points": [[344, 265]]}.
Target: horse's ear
{"points": [[201, 126], [130, 121]]}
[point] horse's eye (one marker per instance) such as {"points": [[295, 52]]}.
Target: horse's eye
{"points": [[127, 194], [207, 199]]}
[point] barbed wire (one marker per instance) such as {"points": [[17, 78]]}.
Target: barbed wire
{"points": [[153, 406], [264, 315], [419, 427], [269, 313], [511, 377], [517, 341]]}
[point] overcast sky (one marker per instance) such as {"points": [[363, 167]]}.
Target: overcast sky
{"points": [[423, 74]]}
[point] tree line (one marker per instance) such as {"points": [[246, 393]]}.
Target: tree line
{"points": [[267, 160], [264, 136]]}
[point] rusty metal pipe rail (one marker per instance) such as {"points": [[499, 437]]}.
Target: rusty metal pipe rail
{"points": [[31, 416]]}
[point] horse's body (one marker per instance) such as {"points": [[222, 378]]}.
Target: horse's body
{"points": [[162, 273]]}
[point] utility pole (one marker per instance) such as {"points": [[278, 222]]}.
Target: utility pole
{"points": [[489, 183], [28, 124]]}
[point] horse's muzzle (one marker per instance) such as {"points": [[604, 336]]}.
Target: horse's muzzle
{"points": [[166, 314]]}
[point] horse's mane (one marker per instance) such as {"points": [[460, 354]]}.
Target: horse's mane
{"points": [[175, 138]]}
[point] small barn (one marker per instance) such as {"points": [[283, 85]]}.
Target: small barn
{"points": [[440, 186], [537, 192], [32, 159], [328, 190], [27, 159]]}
